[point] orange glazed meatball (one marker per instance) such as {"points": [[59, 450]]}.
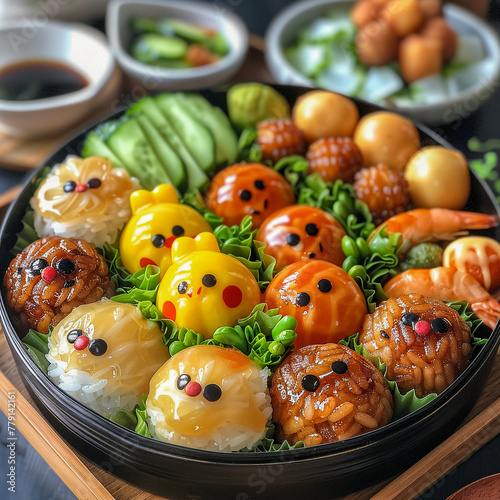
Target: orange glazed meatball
{"points": [[326, 302], [52, 276], [301, 232], [248, 189], [424, 343], [325, 393]]}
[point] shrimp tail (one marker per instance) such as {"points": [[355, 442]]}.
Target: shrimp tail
{"points": [[474, 220], [488, 311]]}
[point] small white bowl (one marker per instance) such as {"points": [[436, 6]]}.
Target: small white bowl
{"points": [[154, 79], [77, 46], [286, 25]]}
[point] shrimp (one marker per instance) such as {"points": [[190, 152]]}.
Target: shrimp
{"points": [[434, 224], [447, 284]]}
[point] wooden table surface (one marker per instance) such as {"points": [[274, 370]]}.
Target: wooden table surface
{"points": [[25, 155]]}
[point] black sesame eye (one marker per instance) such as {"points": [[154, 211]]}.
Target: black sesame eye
{"points": [[293, 239], [69, 283], [158, 240], [183, 286], [177, 231], [182, 381], [245, 195], [310, 382], [384, 334], [212, 392], [259, 185], [303, 299], [69, 186], [324, 285], [38, 265], [339, 367], [65, 266], [94, 183], [73, 335], [312, 229], [440, 325], [409, 319], [209, 280], [98, 347]]}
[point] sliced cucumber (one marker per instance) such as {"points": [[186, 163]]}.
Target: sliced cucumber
{"points": [[165, 153], [142, 25], [188, 31], [132, 147], [196, 178], [95, 146], [150, 48], [216, 121], [190, 130]]}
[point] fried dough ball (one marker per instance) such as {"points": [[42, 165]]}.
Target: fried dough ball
{"points": [[438, 28], [431, 8], [321, 113], [403, 16], [363, 12], [376, 43], [325, 393], [419, 57], [52, 276], [386, 137], [424, 343]]}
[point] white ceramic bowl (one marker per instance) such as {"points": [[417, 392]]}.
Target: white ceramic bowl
{"points": [[154, 79], [75, 45], [286, 25]]}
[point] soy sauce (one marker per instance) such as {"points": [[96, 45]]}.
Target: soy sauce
{"points": [[38, 79]]}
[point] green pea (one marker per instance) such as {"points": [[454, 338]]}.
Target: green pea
{"points": [[349, 247], [349, 262], [285, 323], [358, 271], [340, 211], [276, 348], [228, 336], [363, 247], [286, 337]]}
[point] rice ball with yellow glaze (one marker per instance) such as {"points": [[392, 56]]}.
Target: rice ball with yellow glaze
{"points": [[209, 397], [104, 354]]}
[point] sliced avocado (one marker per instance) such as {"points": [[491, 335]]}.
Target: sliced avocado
{"points": [[196, 137], [196, 178], [150, 48], [168, 157], [95, 146], [132, 147], [142, 25], [188, 31], [226, 140]]}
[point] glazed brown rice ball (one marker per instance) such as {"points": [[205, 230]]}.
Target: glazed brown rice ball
{"points": [[424, 343], [51, 277], [324, 393]]}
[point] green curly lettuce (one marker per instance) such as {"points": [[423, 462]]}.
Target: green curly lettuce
{"points": [[337, 198], [372, 262], [239, 242], [248, 149], [265, 337], [268, 442], [141, 413]]}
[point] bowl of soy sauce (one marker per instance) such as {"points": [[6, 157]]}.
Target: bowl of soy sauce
{"points": [[50, 76]]}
